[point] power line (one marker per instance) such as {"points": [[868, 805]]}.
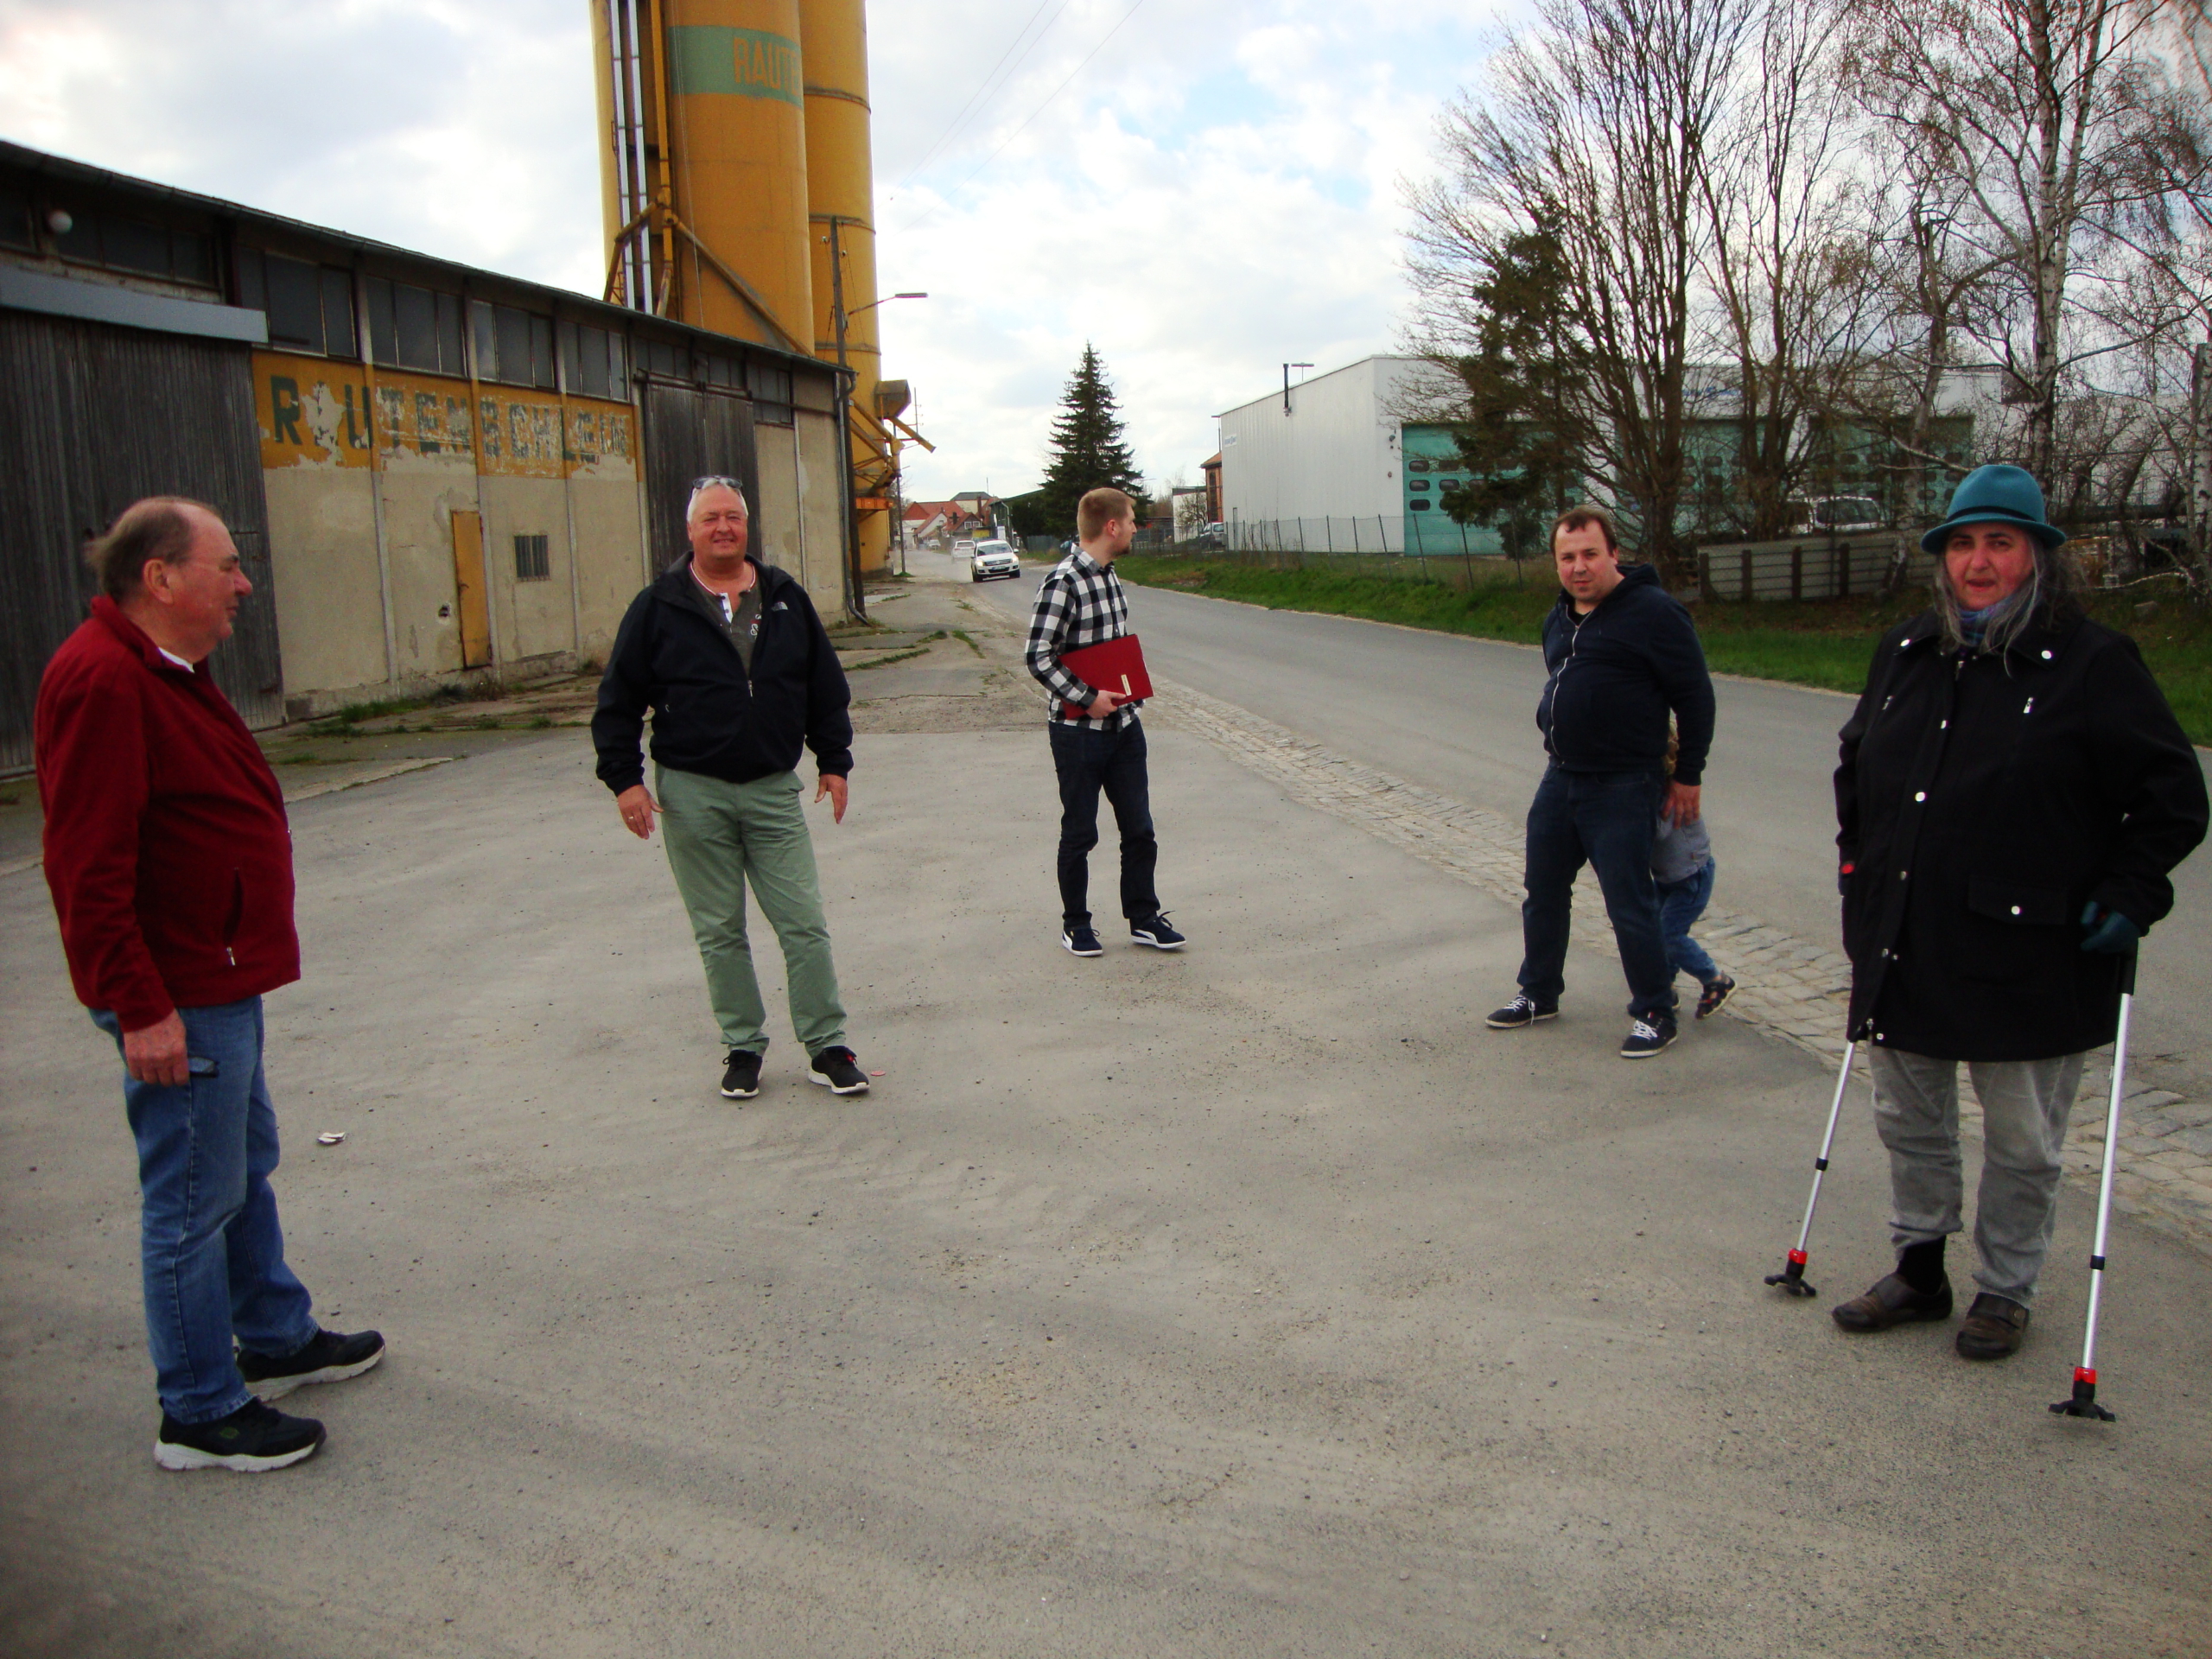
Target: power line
{"points": [[1038, 111], [945, 136]]}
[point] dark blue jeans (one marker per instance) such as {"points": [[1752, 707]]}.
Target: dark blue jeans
{"points": [[1604, 819], [212, 1251], [1680, 903], [1087, 762]]}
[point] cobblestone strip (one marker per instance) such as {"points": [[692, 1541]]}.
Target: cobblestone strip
{"points": [[1787, 989]]}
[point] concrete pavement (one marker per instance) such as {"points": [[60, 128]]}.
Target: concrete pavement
{"points": [[1249, 1300]]}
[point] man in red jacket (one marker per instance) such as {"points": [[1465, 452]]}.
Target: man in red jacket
{"points": [[170, 863]]}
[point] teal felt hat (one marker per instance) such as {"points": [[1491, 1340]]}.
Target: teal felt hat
{"points": [[1995, 495]]}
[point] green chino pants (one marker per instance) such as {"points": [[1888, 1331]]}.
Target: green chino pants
{"points": [[721, 835]]}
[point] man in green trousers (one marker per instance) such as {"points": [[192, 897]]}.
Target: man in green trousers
{"points": [[732, 658]]}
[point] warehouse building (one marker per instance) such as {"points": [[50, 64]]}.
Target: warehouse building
{"points": [[1335, 464], [434, 473]]}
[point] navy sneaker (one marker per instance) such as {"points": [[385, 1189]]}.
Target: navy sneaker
{"points": [[331, 1356], [1081, 942], [837, 1070], [252, 1440], [1647, 1037], [741, 1077], [1523, 1010], [1153, 931]]}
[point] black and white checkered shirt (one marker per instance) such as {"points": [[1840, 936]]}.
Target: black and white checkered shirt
{"points": [[1080, 604]]}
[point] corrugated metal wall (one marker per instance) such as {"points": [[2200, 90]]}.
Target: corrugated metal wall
{"points": [[91, 418], [691, 433]]}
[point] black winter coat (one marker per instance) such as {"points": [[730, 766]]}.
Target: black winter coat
{"points": [[1983, 801], [710, 715], [1615, 678]]}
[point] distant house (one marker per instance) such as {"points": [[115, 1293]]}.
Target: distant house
{"points": [[972, 512]]}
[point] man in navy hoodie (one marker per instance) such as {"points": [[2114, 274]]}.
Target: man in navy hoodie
{"points": [[1623, 655]]}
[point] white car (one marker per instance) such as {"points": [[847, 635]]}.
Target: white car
{"points": [[992, 559], [964, 544]]}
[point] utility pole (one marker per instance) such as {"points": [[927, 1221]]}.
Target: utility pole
{"points": [[855, 590]]}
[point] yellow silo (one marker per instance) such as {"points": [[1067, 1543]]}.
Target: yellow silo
{"points": [[840, 202], [718, 157]]}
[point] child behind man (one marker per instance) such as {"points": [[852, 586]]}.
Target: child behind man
{"points": [[1682, 868]]}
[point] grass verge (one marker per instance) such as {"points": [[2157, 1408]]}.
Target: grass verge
{"points": [[1825, 643]]}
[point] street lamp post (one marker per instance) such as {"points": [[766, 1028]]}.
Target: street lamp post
{"points": [[1286, 368], [856, 597]]}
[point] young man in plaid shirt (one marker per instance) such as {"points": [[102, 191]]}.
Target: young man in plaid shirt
{"points": [[1081, 604]]}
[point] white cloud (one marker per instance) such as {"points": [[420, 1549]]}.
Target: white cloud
{"points": [[1214, 192]]}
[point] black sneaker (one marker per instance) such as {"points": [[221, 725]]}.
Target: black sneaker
{"points": [[1523, 1010], [1155, 931], [1717, 991], [1081, 942], [1647, 1037], [834, 1069], [331, 1356], [741, 1077], [253, 1439]]}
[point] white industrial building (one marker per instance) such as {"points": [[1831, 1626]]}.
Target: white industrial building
{"points": [[1342, 463]]}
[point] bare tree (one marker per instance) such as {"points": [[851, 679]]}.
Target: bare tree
{"points": [[1786, 269], [2046, 125], [1595, 125]]}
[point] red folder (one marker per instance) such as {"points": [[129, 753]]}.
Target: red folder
{"points": [[1116, 665]]}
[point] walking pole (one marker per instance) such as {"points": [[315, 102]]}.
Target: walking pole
{"points": [[1792, 1276], [2084, 1400]]}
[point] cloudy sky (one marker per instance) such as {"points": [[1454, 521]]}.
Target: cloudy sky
{"points": [[1202, 188]]}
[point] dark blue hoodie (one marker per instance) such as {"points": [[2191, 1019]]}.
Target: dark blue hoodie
{"points": [[1615, 675]]}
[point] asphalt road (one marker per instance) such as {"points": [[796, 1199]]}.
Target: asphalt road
{"points": [[1458, 715]]}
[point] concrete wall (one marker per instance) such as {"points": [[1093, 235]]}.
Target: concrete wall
{"points": [[361, 532]]}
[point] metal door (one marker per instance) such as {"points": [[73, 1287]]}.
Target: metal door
{"points": [[92, 417], [473, 607], [693, 432]]}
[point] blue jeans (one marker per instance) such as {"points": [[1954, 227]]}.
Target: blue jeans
{"points": [[1113, 760], [1606, 819], [1680, 903], [212, 1255]]}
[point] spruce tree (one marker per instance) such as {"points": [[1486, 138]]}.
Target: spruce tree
{"points": [[1518, 434], [1088, 450]]}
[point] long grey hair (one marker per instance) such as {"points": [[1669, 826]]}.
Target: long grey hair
{"points": [[2053, 592]]}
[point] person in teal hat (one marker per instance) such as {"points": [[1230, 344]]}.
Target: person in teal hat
{"points": [[2012, 797]]}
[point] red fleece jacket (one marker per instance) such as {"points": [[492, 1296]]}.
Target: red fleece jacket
{"points": [[166, 848]]}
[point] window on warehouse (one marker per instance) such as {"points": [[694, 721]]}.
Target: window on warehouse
{"points": [[412, 327], [771, 387], [514, 346], [593, 363], [309, 306]]}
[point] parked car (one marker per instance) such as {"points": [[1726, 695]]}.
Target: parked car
{"points": [[992, 559], [1835, 515], [1214, 535]]}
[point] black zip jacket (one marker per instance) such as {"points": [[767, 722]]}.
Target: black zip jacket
{"points": [[709, 716], [1982, 801], [1614, 679]]}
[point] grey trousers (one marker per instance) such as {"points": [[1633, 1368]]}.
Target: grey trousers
{"points": [[2025, 1105]]}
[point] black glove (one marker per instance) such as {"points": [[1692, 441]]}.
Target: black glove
{"points": [[2110, 934]]}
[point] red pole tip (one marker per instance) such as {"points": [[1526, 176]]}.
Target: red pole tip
{"points": [[2083, 1374], [1799, 1257]]}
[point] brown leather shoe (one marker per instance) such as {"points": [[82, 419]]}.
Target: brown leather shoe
{"points": [[1995, 1327], [1890, 1301]]}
